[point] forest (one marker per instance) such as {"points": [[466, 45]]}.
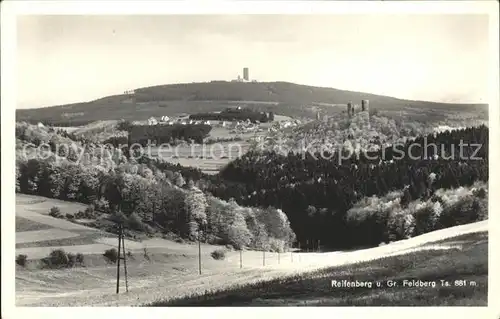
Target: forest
{"points": [[235, 115], [317, 193], [141, 134], [152, 198], [344, 203]]}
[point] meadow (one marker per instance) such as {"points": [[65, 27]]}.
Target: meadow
{"points": [[459, 273], [160, 269]]}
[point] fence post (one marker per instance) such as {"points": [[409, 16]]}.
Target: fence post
{"points": [[263, 257], [241, 258], [279, 257]]}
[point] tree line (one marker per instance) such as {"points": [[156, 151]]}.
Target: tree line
{"points": [[235, 115]]}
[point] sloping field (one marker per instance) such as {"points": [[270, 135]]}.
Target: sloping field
{"points": [[438, 275], [34, 205], [96, 127], [171, 269], [39, 235]]}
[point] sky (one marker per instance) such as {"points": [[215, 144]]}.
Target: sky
{"points": [[67, 59]]}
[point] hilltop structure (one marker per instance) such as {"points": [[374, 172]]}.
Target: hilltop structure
{"points": [[245, 78], [351, 107]]}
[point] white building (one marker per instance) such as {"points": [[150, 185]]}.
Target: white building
{"points": [[152, 121]]}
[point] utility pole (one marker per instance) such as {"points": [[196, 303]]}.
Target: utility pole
{"points": [[125, 262], [199, 251], [121, 250], [119, 258], [279, 257], [263, 257]]}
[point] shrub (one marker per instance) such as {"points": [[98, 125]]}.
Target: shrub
{"points": [[101, 204], [55, 212], [277, 245], [423, 220], [71, 259], [58, 258], [467, 210], [111, 255], [21, 260], [135, 222], [218, 254], [79, 259], [119, 218], [70, 216], [480, 193]]}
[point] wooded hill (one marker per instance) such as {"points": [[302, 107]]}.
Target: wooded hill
{"points": [[282, 98]]}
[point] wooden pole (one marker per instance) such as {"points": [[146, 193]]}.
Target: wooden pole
{"points": [[241, 259], [118, 261], [319, 241], [279, 257], [199, 253], [263, 257], [125, 263]]}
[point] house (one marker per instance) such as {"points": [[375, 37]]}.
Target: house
{"points": [[152, 121]]}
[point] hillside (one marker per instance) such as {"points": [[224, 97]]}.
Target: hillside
{"points": [[171, 270], [280, 97], [455, 269]]}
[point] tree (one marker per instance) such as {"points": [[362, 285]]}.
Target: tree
{"points": [[239, 236], [196, 206], [178, 180]]}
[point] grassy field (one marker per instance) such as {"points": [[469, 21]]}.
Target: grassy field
{"points": [[160, 269], [210, 158], [24, 225], [460, 276]]}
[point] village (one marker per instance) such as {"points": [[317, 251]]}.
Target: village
{"points": [[233, 127]]}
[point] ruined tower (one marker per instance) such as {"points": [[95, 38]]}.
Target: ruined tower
{"points": [[364, 105], [350, 109]]}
